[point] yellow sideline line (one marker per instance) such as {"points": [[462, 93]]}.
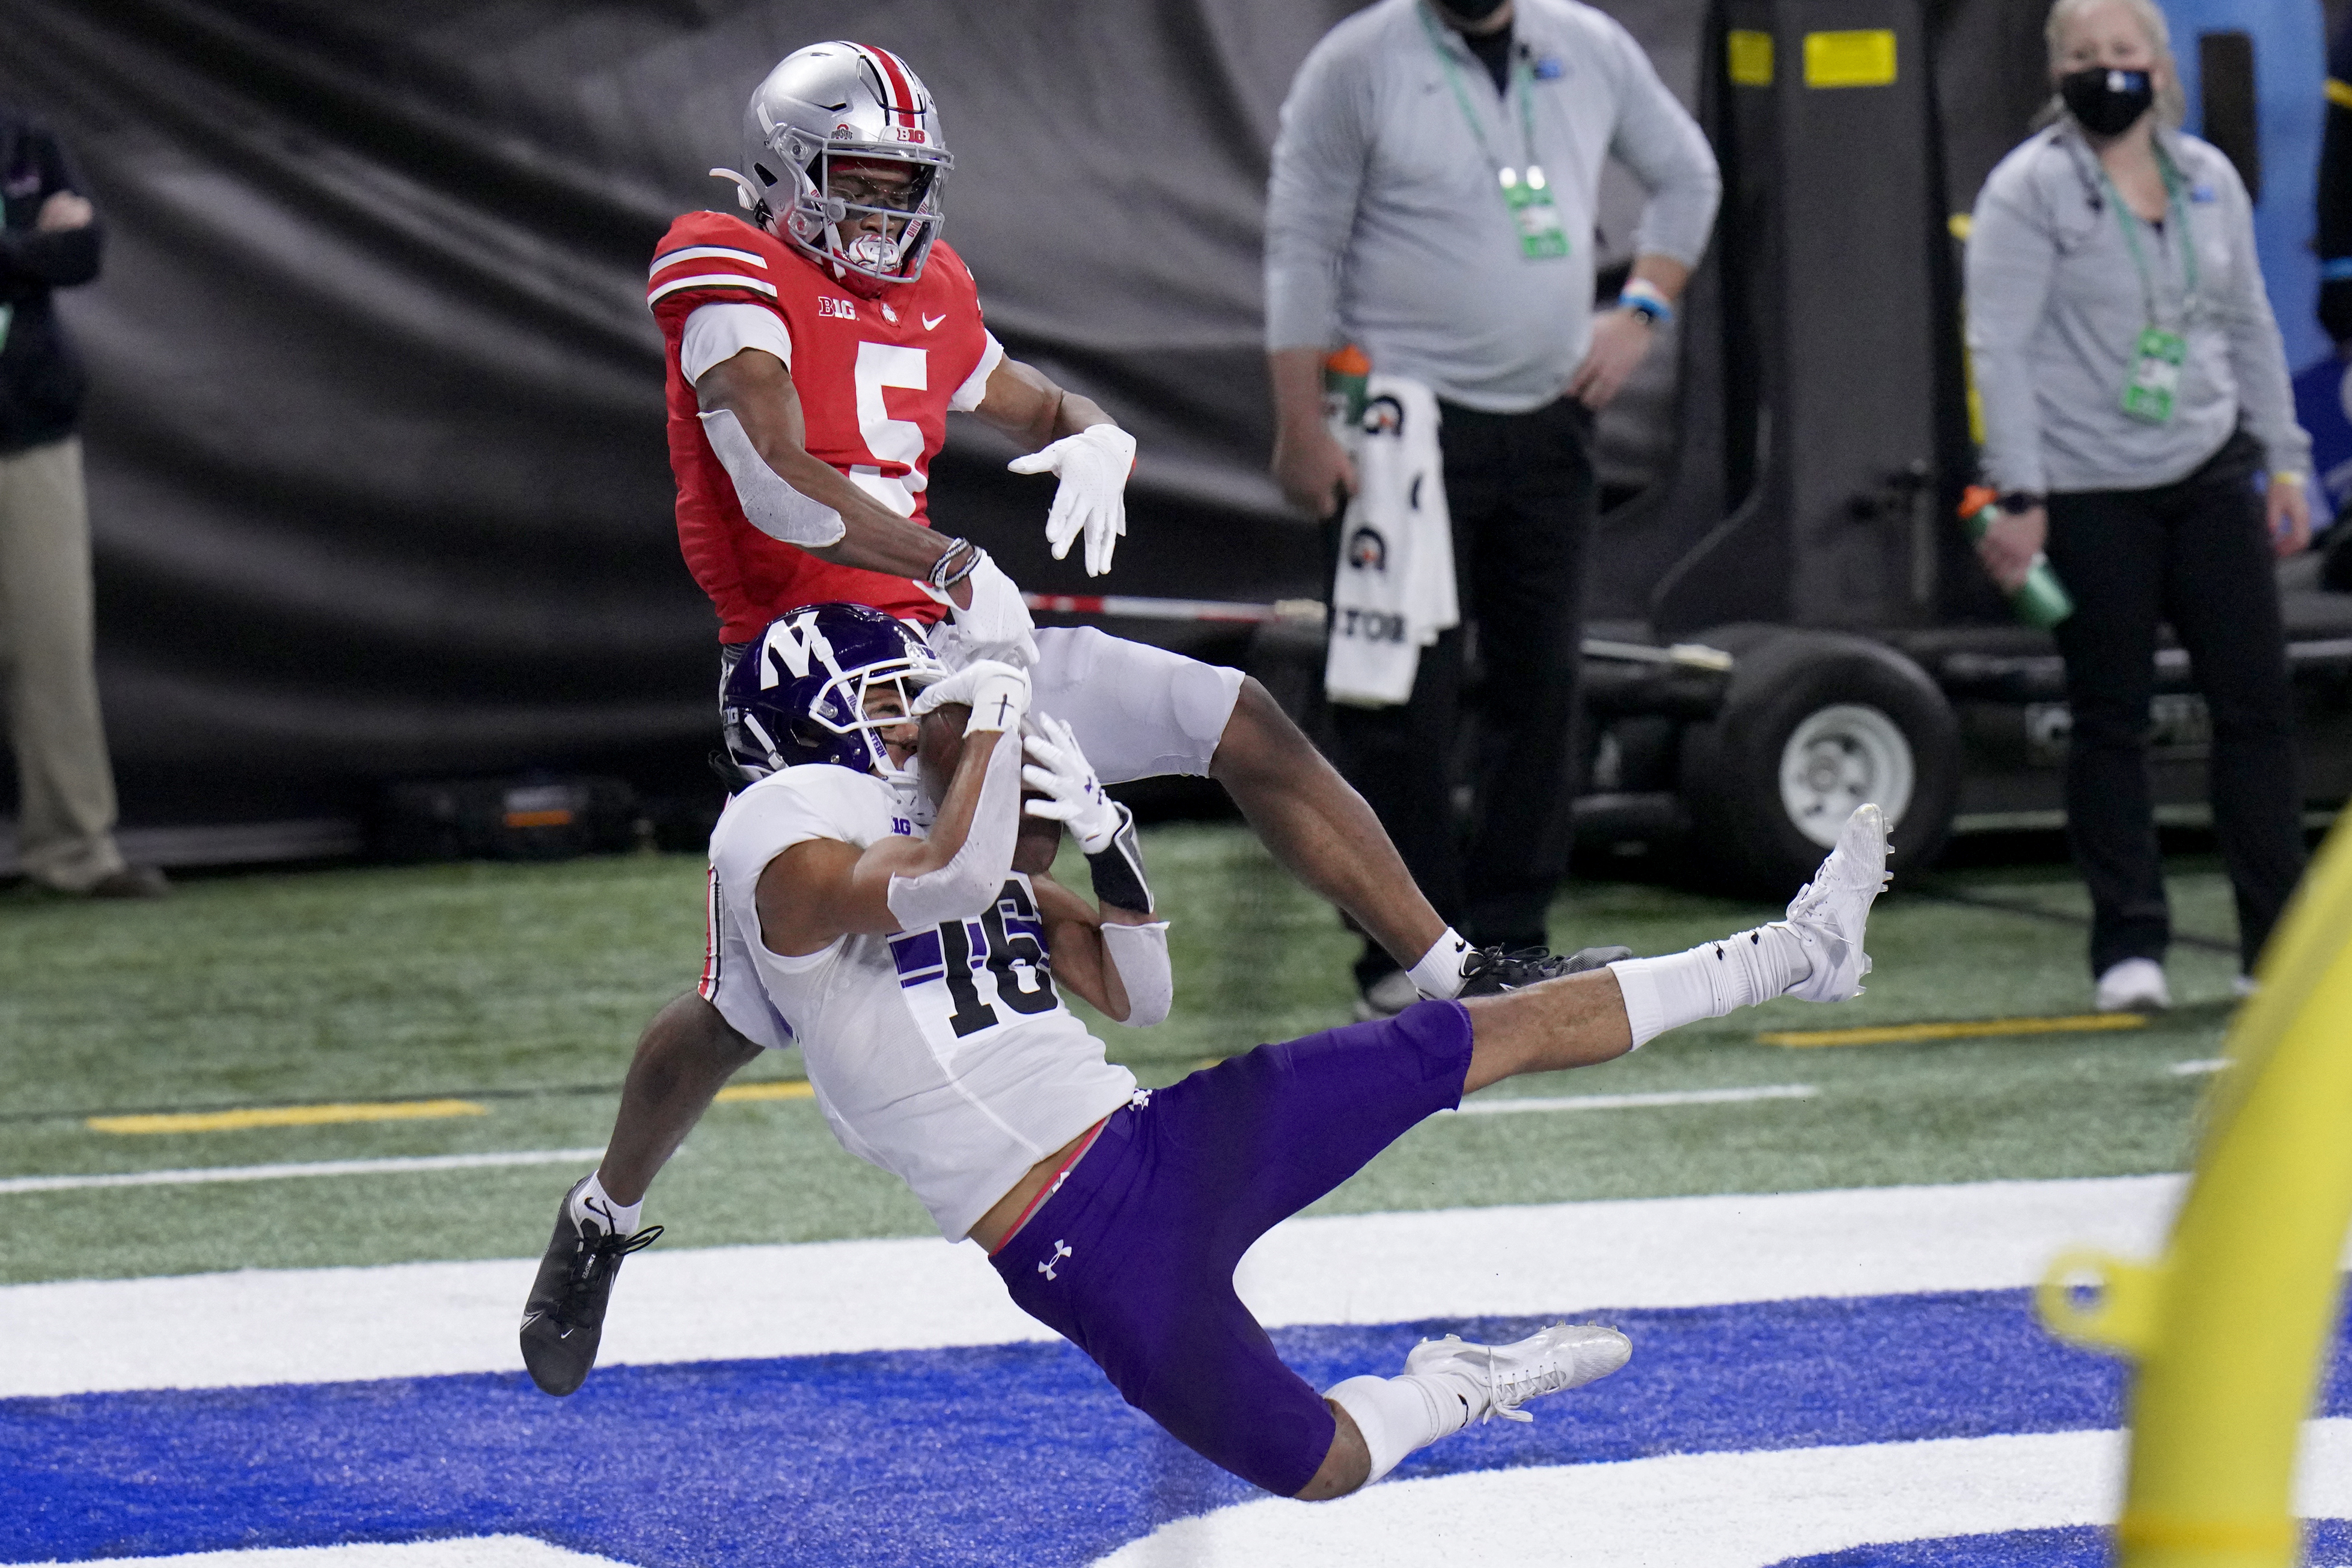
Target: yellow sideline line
{"points": [[1963, 1029], [285, 1116], [788, 1089]]}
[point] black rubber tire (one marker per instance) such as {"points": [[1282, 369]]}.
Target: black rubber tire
{"points": [[1744, 838]]}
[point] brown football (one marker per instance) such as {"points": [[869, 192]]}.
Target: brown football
{"points": [[1040, 840]]}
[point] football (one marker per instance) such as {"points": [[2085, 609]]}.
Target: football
{"points": [[1040, 838]]}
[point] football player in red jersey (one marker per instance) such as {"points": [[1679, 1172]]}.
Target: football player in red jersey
{"points": [[813, 354]]}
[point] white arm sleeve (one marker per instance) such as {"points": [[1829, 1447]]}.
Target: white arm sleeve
{"points": [[771, 506], [717, 333], [1139, 954], [970, 881], [974, 391]]}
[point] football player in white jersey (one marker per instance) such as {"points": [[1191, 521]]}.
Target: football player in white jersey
{"points": [[917, 969]]}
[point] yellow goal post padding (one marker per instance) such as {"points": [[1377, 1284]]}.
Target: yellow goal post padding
{"points": [[2231, 1327]]}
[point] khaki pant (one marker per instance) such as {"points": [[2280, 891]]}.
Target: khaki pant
{"points": [[65, 786]]}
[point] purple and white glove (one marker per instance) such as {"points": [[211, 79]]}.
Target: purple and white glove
{"points": [[1074, 796]]}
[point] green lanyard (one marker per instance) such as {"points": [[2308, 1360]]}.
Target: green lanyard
{"points": [[1526, 193], [2152, 381], [2176, 210]]}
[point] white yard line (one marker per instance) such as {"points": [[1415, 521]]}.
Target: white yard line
{"points": [[679, 1304], [461, 1551], [1509, 1105], [194, 1175], [199, 1174], [2192, 1069], [1704, 1510]]}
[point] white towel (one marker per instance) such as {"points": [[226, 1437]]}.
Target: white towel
{"points": [[1392, 593]]}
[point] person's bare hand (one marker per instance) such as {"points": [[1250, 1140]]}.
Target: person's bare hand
{"points": [[1620, 339], [63, 211], [2009, 546], [2287, 510], [1313, 469]]}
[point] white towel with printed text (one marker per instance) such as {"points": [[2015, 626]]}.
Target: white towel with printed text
{"points": [[1393, 592]]}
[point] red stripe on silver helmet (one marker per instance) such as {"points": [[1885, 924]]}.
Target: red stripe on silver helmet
{"points": [[895, 77]]}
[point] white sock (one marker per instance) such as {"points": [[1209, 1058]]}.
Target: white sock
{"points": [[1397, 1415], [1438, 974], [1709, 980], [592, 1204]]}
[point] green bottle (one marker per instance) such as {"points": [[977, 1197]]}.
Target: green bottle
{"points": [[1346, 375], [2042, 600]]}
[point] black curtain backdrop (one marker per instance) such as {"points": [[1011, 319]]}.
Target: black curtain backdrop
{"points": [[377, 475]]}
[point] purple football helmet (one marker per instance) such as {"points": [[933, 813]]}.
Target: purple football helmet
{"points": [[798, 695]]}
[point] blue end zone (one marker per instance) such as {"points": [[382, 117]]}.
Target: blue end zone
{"points": [[1018, 1453], [2329, 1546]]}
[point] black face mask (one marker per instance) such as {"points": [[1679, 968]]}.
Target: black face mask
{"points": [[2107, 102], [1471, 10]]}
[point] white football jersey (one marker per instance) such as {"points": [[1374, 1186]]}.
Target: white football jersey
{"points": [[944, 1056]]}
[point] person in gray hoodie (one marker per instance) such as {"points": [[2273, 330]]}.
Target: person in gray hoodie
{"points": [[2140, 427]]}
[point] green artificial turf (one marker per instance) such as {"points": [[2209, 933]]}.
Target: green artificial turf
{"points": [[524, 986]]}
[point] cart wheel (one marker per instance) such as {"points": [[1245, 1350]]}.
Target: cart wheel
{"points": [[1815, 723]]}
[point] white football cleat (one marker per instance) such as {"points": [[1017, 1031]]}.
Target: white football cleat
{"points": [[1497, 1379], [1828, 913], [2134, 986]]}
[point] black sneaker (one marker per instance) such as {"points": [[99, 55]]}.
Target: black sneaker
{"points": [[564, 1319], [1492, 970]]}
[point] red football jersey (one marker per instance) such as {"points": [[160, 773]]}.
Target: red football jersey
{"points": [[876, 379]]}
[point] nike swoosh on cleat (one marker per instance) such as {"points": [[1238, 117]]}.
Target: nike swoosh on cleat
{"points": [[931, 321]]}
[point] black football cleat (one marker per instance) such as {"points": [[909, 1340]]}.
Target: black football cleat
{"points": [[1490, 972], [564, 1320]]}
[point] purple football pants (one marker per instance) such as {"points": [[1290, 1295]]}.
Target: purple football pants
{"points": [[1132, 1261]]}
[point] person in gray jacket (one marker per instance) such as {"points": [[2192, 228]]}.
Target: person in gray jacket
{"points": [[1432, 202], [2139, 426]]}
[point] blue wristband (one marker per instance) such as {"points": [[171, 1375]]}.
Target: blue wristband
{"points": [[2335, 269], [1658, 312]]}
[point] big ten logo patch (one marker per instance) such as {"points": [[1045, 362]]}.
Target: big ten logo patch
{"points": [[840, 309], [903, 828], [1371, 625], [1367, 550]]}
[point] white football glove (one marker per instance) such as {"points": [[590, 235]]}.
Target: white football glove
{"points": [[997, 627], [1092, 498], [997, 694], [1075, 796]]}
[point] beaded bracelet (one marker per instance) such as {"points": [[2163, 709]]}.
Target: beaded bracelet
{"points": [[942, 577]]}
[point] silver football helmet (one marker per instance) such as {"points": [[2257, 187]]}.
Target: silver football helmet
{"points": [[835, 103]]}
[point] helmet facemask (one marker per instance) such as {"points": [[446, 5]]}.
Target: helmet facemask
{"points": [[824, 219], [849, 691]]}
